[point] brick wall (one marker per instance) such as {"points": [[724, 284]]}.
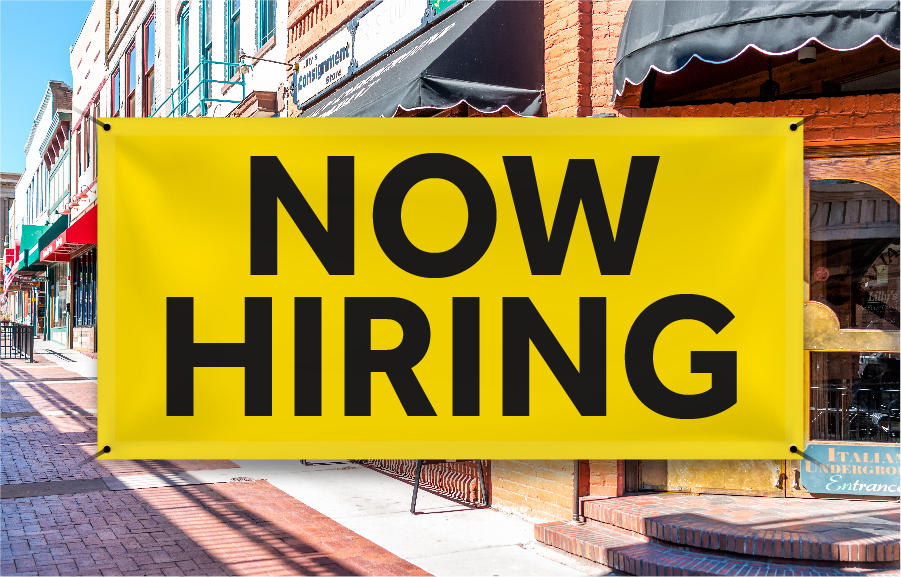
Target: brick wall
{"points": [[567, 56], [83, 338], [312, 21], [606, 24], [606, 478], [537, 490], [861, 117]]}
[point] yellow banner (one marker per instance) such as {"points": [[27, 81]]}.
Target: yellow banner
{"points": [[450, 288]]}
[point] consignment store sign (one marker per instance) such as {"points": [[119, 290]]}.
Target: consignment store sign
{"points": [[451, 288]]}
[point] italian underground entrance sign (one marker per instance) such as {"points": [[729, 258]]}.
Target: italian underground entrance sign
{"points": [[450, 288]]}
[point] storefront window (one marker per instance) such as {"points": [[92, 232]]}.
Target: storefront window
{"points": [[84, 275], [58, 296], [854, 397], [854, 253], [854, 269]]}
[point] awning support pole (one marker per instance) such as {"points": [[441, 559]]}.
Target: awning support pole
{"points": [[576, 511]]}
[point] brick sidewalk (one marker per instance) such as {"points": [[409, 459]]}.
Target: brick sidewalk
{"points": [[235, 528], [45, 448], [242, 528], [41, 368]]}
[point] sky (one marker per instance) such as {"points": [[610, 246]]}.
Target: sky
{"points": [[34, 48]]}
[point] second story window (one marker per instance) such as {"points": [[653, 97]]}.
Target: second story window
{"points": [[114, 87], [233, 35], [183, 70], [87, 142], [78, 166], [96, 113], [149, 60], [130, 77], [206, 49], [265, 21]]}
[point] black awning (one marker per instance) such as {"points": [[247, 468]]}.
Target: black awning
{"points": [[487, 54], [666, 35]]}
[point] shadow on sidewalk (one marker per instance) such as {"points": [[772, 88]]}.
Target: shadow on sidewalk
{"points": [[217, 529]]}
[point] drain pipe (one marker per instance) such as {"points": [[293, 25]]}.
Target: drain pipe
{"points": [[576, 492]]}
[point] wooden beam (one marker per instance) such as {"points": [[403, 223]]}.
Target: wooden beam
{"points": [[883, 172], [831, 67]]}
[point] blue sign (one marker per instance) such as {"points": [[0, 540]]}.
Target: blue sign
{"points": [[852, 470]]}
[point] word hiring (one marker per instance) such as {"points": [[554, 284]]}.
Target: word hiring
{"points": [[522, 323]]}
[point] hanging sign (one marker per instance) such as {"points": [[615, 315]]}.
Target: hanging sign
{"points": [[324, 66], [852, 469], [450, 288], [385, 24]]}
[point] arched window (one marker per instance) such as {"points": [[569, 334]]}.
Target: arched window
{"points": [[854, 270]]}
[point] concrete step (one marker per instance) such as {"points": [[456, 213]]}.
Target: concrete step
{"points": [[858, 532], [638, 555]]}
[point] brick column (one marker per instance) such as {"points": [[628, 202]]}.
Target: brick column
{"points": [[606, 24], [567, 57]]}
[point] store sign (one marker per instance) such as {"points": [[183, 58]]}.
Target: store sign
{"points": [[324, 66], [449, 288], [441, 5], [54, 245], [385, 24], [852, 470], [379, 28]]}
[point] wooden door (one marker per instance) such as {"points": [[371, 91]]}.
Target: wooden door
{"points": [[828, 338]]}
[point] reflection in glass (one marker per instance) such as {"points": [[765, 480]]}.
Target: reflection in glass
{"points": [[854, 397], [854, 253]]}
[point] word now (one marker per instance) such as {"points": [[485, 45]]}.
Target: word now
{"points": [[270, 183]]}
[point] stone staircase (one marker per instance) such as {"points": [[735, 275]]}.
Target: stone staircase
{"points": [[678, 534]]}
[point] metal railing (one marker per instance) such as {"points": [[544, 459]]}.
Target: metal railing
{"points": [[180, 101], [16, 341]]}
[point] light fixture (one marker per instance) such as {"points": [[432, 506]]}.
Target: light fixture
{"points": [[81, 195], [72, 204], [769, 87], [807, 55], [64, 211]]}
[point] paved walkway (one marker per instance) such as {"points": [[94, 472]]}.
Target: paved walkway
{"points": [[64, 516]]}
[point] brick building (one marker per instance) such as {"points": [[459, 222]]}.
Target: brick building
{"points": [[604, 58]]}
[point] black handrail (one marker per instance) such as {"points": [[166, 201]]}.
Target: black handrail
{"points": [[16, 341]]}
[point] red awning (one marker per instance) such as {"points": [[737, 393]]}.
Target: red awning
{"points": [[81, 232]]}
